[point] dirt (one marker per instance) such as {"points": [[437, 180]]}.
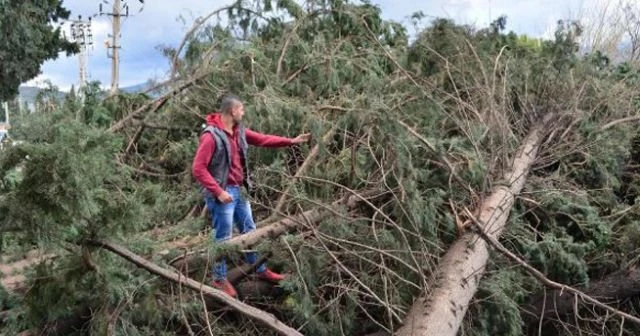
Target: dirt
{"points": [[11, 276]]}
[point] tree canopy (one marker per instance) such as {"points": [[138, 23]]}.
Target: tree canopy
{"points": [[410, 132], [29, 39]]}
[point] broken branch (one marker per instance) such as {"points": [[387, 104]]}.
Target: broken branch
{"points": [[158, 102], [252, 312], [307, 162], [541, 277]]}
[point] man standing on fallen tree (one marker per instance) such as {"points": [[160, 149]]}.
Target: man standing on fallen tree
{"points": [[221, 167]]}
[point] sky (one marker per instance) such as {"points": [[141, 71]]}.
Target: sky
{"points": [[164, 23]]}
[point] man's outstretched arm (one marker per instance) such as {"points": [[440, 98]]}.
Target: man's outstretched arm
{"points": [[199, 167], [267, 140]]}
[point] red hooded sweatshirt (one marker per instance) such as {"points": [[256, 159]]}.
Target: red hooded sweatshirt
{"points": [[206, 148]]}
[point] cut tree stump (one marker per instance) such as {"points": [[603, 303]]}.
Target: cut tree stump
{"points": [[463, 265]]}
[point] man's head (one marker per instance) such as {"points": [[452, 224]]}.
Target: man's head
{"points": [[232, 106]]}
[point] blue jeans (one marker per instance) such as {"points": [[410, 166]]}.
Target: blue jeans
{"points": [[222, 218]]}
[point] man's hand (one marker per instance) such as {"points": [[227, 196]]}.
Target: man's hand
{"points": [[225, 198], [302, 138]]}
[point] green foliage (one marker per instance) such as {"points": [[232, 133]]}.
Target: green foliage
{"points": [[69, 187], [27, 44], [498, 310], [472, 94]]}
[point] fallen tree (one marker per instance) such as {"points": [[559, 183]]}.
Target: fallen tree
{"points": [[563, 299], [339, 66], [257, 314], [78, 319], [462, 267], [559, 302], [196, 260]]}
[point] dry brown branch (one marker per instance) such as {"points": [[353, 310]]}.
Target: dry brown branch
{"points": [[463, 265], [247, 240], [269, 231], [362, 197], [239, 273], [303, 167], [620, 121], [542, 278], [286, 44], [158, 102], [198, 22], [150, 173], [134, 139], [252, 312], [350, 273], [295, 74], [450, 166]]}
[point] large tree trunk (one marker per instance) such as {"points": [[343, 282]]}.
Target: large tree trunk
{"points": [[464, 263]]}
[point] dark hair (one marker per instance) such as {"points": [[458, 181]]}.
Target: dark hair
{"points": [[227, 102]]}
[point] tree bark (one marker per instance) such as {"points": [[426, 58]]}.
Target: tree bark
{"points": [[464, 263], [252, 312], [196, 260]]}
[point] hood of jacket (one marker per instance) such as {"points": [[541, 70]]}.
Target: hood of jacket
{"points": [[215, 119]]}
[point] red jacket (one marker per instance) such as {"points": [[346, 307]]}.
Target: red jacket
{"points": [[206, 148]]}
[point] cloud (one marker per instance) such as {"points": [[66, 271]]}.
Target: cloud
{"points": [[531, 17], [164, 22]]}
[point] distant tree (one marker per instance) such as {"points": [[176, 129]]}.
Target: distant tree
{"points": [[28, 40]]}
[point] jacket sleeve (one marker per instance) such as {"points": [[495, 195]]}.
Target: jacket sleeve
{"points": [[266, 140], [199, 167]]}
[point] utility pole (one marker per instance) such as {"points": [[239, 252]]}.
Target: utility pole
{"points": [[114, 44], [115, 64], [81, 34]]}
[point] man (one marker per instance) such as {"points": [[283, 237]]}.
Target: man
{"points": [[220, 166]]}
